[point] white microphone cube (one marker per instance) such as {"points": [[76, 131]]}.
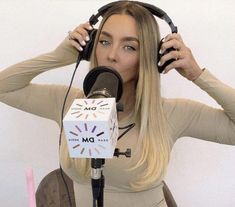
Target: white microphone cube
{"points": [[91, 128]]}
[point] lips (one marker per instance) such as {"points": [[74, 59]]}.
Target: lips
{"points": [[110, 67]]}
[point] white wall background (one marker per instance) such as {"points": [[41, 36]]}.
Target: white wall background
{"points": [[200, 173]]}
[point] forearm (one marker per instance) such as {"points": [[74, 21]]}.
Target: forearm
{"points": [[223, 94], [194, 119], [19, 75]]}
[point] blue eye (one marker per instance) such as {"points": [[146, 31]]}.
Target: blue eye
{"points": [[104, 42], [130, 48]]}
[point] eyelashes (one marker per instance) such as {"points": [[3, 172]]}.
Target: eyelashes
{"points": [[104, 42], [126, 47]]}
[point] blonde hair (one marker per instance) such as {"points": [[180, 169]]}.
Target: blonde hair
{"points": [[154, 141]]}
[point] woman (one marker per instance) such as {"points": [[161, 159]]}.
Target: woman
{"points": [[121, 44]]}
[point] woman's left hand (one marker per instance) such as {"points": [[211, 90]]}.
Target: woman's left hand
{"points": [[184, 62]]}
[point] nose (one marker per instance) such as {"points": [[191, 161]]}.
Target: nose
{"points": [[113, 54]]}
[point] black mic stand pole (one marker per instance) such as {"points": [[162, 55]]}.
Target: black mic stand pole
{"points": [[97, 181], [97, 177]]}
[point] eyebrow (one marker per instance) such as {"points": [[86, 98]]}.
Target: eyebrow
{"points": [[128, 38]]}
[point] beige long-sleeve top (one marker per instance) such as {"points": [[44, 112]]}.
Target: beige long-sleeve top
{"points": [[185, 117]]}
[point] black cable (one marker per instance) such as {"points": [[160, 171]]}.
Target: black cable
{"points": [[128, 127], [61, 129], [65, 99]]}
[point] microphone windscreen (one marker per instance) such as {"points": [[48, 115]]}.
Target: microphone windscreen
{"points": [[103, 78]]}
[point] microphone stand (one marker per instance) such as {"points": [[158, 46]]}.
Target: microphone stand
{"points": [[97, 181], [97, 177], [96, 87]]}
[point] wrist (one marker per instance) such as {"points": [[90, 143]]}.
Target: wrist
{"points": [[197, 73]]}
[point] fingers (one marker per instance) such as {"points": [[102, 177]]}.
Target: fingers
{"points": [[173, 36], [173, 40], [175, 50], [175, 54], [173, 43], [184, 61], [79, 36], [175, 64]]}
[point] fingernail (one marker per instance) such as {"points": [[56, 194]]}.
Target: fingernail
{"points": [[87, 38], [90, 27], [80, 49], [159, 63], [164, 72], [163, 40], [83, 42], [161, 51]]}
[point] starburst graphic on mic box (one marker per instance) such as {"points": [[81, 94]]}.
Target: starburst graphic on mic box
{"points": [[91, 128]]}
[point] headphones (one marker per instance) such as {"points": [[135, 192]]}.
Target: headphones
{"points": [[87, 49]]}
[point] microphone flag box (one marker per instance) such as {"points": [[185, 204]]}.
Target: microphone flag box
{"points": [[91, 128]]}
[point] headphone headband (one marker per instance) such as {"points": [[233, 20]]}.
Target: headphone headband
{"points": [[151, 8]]}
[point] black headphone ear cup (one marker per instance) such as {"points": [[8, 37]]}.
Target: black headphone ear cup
{"points": [[168, 62], [87, 50]]}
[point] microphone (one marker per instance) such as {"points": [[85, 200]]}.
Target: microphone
{"points": [[90, 125], [103, 82]]}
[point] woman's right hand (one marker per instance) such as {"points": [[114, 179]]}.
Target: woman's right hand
{"points": [[79, 36]]}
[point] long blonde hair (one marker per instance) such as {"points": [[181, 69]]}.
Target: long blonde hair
{"points": [[154, 141]]}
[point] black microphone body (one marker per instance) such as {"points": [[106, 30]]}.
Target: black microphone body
{"points": [[103, 82]]}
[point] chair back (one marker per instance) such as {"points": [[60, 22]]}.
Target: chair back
{"points": [[52, 192]]}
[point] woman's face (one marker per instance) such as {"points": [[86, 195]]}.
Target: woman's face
{"points": [[118, 46]]}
